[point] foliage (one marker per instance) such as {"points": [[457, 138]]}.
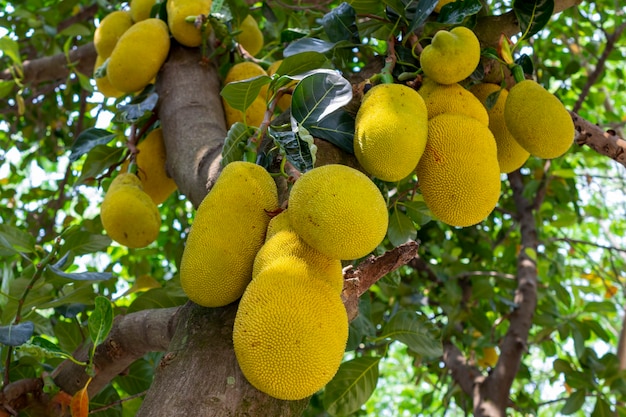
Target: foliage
{"points": [[63, 280]]}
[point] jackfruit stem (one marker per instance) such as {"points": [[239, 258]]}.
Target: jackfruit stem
{"points": [[518, 73]]}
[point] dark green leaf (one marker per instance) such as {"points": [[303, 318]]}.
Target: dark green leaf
{"points": [[108, 399], [98, 160], [16, 334], [236, 142], [68, 334], [401, 228], [526, 63], [599, 307], [100, 320], [11, 48], [301, 63], [374, 7], [351, 387], [574, 402], [340, 24], [602, 409], [561, 366], [6, 87], [138, 109], [417, 211], [336, 128], [423, 9], [532, 15], [413, 330], [298, 151], [307, 45], [15, 239], [80, 276], [241, 94], [47, 345], [156, 298], [81, 242], [458, 11], [138, 378]]}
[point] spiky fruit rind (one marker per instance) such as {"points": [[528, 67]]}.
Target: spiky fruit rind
{"points": [[538, 120], [452, 55], [109, 31], [390, 131], [151, 161], [138, 55], [339, 211], [186, 33], [451, 98], [290, 333], [227, 232], [251, 37], [458, 174], [511, 155], [128, 215]]}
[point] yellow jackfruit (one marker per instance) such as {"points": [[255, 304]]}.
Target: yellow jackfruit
{"points": [[290, 333], [226, 234], [459, 174], [128, 215], [138, 55], [511, 155], [451, 56], [390, 131], [538, 120], [451, 98], [256, 112], [277, 223], [102, 83], [489, 358], [251, 37], [186, 33], [140, 9], [287, 244], [339, 211], [151, 167], [109, 31]]}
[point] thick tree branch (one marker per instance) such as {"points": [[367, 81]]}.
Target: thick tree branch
{"points": [[605, 143], [462, 372]]}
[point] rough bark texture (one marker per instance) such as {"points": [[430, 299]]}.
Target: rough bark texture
{"points": [[131, 337], [605, 143], [199, 376], [192, 118]]}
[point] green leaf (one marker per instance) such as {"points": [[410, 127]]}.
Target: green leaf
{"points": [[340, 24], [417, 211], [301, 63], [599, 307], [561, 366], [89, 139], [80, 276], [236, 142], [109, 400], [138, 378], [100, 320], [574, 402], [458, 11], [602, 409], [422, 10], [308, 45], [532, 15], [6, 87], [351, 387], [413, 330], [68, 334], [11, 48], [298, 152], [156, 298], [15, 239], [81, 242], [98, 160], [401, 228], [138, 109], [16, 334], [336, 128], [241, 94]]}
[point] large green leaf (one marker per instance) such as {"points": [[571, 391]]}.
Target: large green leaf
{"points": [[156, 298], [140, 108], [602, 409], [340, 24], [401, 228], [236, 142], [336, 128], [414, 330], [458, 11], [298, 149], [108, 400], [80, 276], [89, 139], [14, 239], [301, 63], [308, 45], [532, 15], [241, 94], [351, 387], [16, 334], [81, 242], [98, 160], [100, 320], [574, 402], [11, 48], [138, 378]]}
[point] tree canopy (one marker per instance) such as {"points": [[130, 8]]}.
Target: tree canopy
{"points": [[521, 314]]}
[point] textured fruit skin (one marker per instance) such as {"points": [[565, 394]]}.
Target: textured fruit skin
{"points": [[451, 56], [287, 244], [277, 223], [138, 55], [184, 32], [140, 9], [451, 98], [151, 167], [458, 174], [110, 30], [511, 155], [226, 234], [251, 37], [538, 120], [339, 211], [256, 112], [102, 84], [128, 214], [390, 131], [290, 333]]}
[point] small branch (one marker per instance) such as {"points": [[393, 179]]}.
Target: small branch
{"points": [[584, 242], [605, 143], [118, 402], [621, 346], [358, 280]]}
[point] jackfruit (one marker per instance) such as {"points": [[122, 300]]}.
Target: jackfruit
{"points": [[390, 131], [151, 171], [102, 83], [489, 358], [138, 55], [451, 56], [128, 214], [451, 98], [186, 33], [538, 120], [109, 31], [458, 174], [287, 244], [226, 234], [339, 211], [290, 333], [256, 112], [251, 37], [140, 9], [277, 223], [511, 155]]}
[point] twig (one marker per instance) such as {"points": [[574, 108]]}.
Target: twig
{"points": [[118, 402], [605, 143]]}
